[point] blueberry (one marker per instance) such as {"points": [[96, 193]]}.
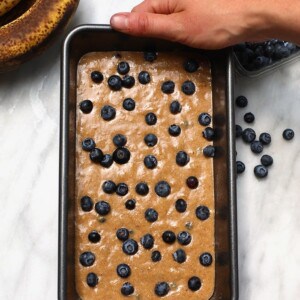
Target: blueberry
{"points": [[102, 208], [288, 134], [182, 158], [109, 187], [269, 50], [240, 167], [188, 87], [191, 65], [129, 104], [151, 119], [123, 270], [208, 133], [209, 151], [162, 189], [155, 256], [256, 147], [142, 188], [128, 81], [122, 189], [88, 144], [174, 130], [106, 161], [169, 237], [249, 117], [150, 161], [265, 138], [115, 82], [87, 259], [260, 61], [266, 160], [260, 171], [180, 205], [184, 238], [281, 52], [175, 107], [96, 155], [194, 283], [241, 101], [123, 68], [150, 56], [168, 87], [151, 215], [127, 289], [97, 76], [147, 241], [108, 113], [86, 203], [248, 135], [92, 279], [192, 182], [205, 259], [150, 140], [130, 204], [94, 236], [144, 77], [122, 234], [119, 140], [204, 119], [202, 212], [162, 289], [238, 131], [130, 247], [121, 155], [86, 106], [179, 256]]}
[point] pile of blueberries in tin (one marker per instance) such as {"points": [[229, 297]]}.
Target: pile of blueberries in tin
{"points": [[256, 145], [255, 56]]}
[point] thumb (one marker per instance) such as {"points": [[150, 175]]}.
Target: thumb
{"points": [[148, 24]]}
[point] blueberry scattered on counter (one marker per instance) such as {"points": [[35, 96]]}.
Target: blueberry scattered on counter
{"points": [[174, 130], [115, 82], [108, 113], [144, 77], [256, 147], [150, 56], [155, 256], [97, 76], [127, 289], [142, 188], [123, 270], [175, 107], [179, 256], [147, 241], [128, 81], [86, 203], [106, 161], [182, 158], [241, 101], [194, 283], [88, 144], [192, 182], [123, 68], [169, 237], [96, 155], [122, 189], [266, 160], [162, 189], [119, 140], [238, 131], [150, 161], [86, 106], [180, 205], [122, 234], [191, 65], [130, 247], [109, 187], [209, 151], [205, 259], [188, 88], [121, 155], [204, 119], [151, 119], [248, 135], [265, 138], [260, 171], [130, 204], [129, 104], [240, 167], [184, 238], [94, 237], [102, 208], [162, 289], [288, 134], [151, 215], [208, 133], [168, 87], [87, 259], [150, 140], [202, 212], [92, 279], [249, 117]]}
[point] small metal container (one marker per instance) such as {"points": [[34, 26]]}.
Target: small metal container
{"points": [[90, 38]]}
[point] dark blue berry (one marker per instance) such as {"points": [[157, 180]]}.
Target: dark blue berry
{"points": [[238, 131], [106, 161], [184, 238], [174, 130], [94, 237], [204, 119], [188, 87], [87, 259], [127, 289], [142, 188], [150, 140], [123, 270], [92, 279], [88, 144], [102, 208], [147, 241], [265, 138], [266, 160], [202, 212], [150, 161], [281, 52], [128, 81], [150, 56], [155, 256], [249, 117], [260, 171], [162, 289], [129, 104], [151, 119], [182, 158], [205, 259], [122, 234], [97, 76], [86, 106], [175, 107], [123, 68], [288, 134], [121, 155], [260, 62], [130, 204], [194, 283], [192, 182], [240, 167], [168, 87], [122, 189], [179, 256], [256, 147], [86, 203], [180, 205], [169, 237], [96, 155], [151, 215], [248, 135], [119, 140], [109, 187], [115, 82], [108, 113], [130, 247], [208, 133], [162, 189], [241, 101], [191, 65], [144, 77], [269, 50]]}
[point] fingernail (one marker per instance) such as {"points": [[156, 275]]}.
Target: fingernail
{"points": [[119, 21]]}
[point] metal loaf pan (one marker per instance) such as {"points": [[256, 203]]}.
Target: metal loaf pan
{"points": [[89, 38]]}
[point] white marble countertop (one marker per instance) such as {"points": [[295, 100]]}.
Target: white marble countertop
{"points": [[268, 210]]}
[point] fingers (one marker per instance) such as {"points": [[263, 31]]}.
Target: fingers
{"points": [[156, 6]]}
